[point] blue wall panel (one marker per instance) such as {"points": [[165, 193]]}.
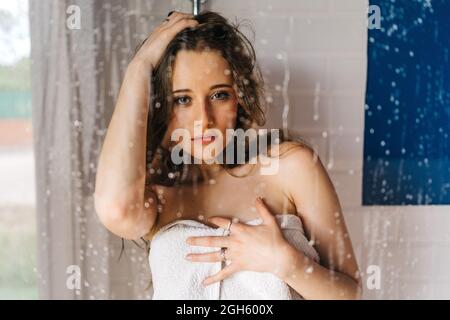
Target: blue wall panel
{"points": [[407, 112]]}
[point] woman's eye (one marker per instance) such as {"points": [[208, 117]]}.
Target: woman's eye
{"points": [[182, 100], [222, 95]]}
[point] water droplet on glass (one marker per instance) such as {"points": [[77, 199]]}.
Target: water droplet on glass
{"points": [[309, 269]]}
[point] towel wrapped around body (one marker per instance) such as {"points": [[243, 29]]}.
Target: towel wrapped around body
{"points": [[174, 277]]}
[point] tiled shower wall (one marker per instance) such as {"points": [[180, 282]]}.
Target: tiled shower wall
{"points": [[313, 56]]}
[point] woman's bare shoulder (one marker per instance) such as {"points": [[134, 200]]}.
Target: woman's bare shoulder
{"points": [[296, 162], [286, 149], [286, 156]]}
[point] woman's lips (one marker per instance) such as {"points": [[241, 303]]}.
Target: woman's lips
{"points": [[204, 139]]}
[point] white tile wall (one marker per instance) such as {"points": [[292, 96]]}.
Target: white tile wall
{"points": [[327, 63]]}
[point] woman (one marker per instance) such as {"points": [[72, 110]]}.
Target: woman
{"points": [[205, 81]]}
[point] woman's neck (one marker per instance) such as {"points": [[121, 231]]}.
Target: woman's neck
{"points": [[210, 171]]}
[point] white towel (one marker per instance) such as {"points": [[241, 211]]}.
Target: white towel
{"points": [[174, 277]]}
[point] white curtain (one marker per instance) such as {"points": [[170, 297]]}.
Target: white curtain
{"points": [[76, 75]]}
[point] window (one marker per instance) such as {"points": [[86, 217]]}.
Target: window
{"points": [[17, 194]]}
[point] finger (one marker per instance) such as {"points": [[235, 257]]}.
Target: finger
{"points": [[219, 221], [177, 16], [173, 14], [223, 222], [264, 212], [209, 241], [180, 25], [222, 274], [173, 19], [205, 257]]}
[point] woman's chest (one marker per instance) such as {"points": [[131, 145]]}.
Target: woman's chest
{"points": [[227, 197]]}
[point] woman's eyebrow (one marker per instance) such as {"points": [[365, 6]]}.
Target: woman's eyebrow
{"points": [[221, 85], [212, 87], [182, 90]]}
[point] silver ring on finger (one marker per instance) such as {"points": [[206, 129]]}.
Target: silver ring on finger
{"points": [[227, 230], [222, 254]]}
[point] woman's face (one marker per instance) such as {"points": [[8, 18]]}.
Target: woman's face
{"points": [[203, 98]]}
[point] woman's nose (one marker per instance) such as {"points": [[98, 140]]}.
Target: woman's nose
{"points": [[205, 115]]}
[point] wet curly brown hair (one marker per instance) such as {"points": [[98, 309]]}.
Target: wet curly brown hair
{"points": [[214, 32]]}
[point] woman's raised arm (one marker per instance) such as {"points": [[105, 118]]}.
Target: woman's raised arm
{"points": [[122, 203]]}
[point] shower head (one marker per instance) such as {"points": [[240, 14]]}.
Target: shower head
{"points": [[196, 6]]}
